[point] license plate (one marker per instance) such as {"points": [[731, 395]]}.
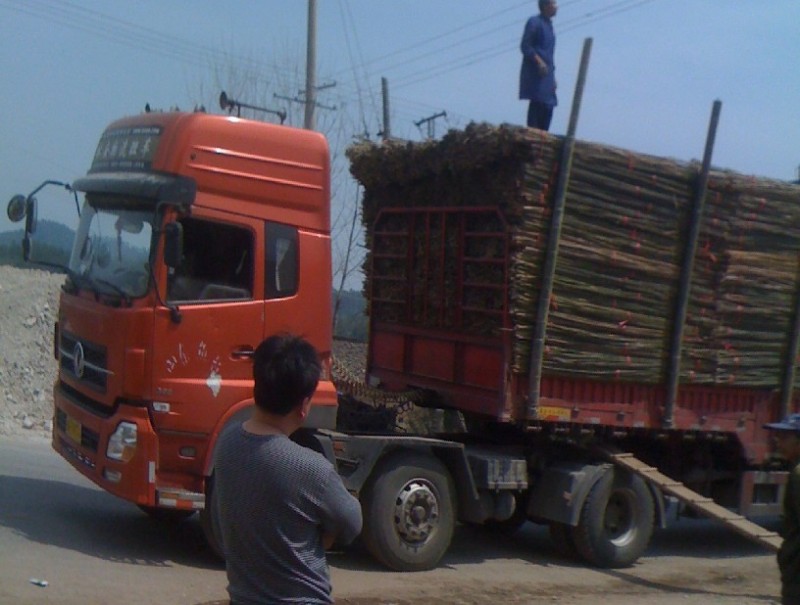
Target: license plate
{"points": [[74, 430], [546, 412]]}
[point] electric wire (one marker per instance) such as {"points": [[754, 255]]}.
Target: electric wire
{"points": [[415, 46], [466, 40], [345, 12], [493, 51], [68, 14], [104, 26]]}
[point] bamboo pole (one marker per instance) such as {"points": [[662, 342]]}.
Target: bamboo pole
{"points": [[673, 375], [790, 363], [551, 255]]}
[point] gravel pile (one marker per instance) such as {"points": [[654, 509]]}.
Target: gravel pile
{"points": [[28, 308]]}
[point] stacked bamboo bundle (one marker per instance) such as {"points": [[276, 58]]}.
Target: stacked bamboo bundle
{"points": [[620, 256]]}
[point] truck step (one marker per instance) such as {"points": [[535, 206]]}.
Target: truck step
{"points": [[701, 504]]}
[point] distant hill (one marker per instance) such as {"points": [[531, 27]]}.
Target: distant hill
{"points": [[53, 243]]}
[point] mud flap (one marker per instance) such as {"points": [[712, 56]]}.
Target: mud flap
{"points": [[559, 493]]}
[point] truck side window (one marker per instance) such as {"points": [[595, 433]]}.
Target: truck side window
{"points": [[217, 263], [281, 262]]}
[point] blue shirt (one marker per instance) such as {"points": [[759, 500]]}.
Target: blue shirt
{"points": [[538, 39]]}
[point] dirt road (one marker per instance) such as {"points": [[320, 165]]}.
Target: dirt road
{"points": [[693, 562], [93, 548]]}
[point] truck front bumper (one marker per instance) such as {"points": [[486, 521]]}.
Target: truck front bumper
{"points": [[82, 436]]}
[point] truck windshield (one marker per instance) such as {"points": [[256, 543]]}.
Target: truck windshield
{"points": [[112, 250]]}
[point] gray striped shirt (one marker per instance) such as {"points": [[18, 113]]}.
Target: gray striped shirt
{"points": [[274, 500]]}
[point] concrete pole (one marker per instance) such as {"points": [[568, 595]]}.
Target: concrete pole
{"points": [[311, 65], [548, 270], [387, 127]]}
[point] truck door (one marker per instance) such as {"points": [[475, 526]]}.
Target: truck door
{"points": [[202, 364]]}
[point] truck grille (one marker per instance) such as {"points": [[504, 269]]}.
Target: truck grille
{"points": [[85, 361]]}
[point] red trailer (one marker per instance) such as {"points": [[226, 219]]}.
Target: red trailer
{"points": [[460, 235]]}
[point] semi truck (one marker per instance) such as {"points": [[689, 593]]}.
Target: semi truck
{"points": [[199, 235]]}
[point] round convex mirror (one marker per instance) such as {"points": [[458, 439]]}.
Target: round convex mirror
{"points": [[16, 208]]}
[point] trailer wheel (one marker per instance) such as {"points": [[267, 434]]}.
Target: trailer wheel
{"points": [[409, 512], [208, 521], [563, 540], [616, 522]]}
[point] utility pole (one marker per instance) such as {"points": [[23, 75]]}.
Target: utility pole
{"points": [[311, 65], [300, 97], [228, 104], [386, 134], [431, 122]]}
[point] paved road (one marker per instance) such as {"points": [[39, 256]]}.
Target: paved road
{"points": [[94, 549]]}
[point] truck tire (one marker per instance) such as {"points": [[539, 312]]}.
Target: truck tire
{"points": [[208, 522], [616, 521], [409, 513]]}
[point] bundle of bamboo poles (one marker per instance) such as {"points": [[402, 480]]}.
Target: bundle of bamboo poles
{"points": [[620, 254]]}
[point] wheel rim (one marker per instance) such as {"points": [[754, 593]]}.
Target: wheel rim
{"points": [[416, 511], [619, 521]]}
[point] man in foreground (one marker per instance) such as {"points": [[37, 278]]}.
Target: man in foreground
{"points": [[279, 504], [787, 439]]}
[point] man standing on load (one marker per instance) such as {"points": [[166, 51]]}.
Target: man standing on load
{"points": [[537, 78]]}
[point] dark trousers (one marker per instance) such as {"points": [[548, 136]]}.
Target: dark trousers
{"points": [[539, 115]]}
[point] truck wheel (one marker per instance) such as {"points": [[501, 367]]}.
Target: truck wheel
{"points": [[208, 521], [409, 512], [616, 521], [563, 541]]}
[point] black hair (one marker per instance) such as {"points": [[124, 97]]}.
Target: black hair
{"points": [[544, 3], [286, 370]]}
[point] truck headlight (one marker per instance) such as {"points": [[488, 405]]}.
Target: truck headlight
{"points": [[122, 443]]}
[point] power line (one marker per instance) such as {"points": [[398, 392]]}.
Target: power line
{"points": [[416, 46], [129, 34], [491, 51], [438, 38], [487, 53], [609, 11], [120, 31], [82, 19], [344, 5]]}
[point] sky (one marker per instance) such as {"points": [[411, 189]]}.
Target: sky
{"points": [[656, 68]]}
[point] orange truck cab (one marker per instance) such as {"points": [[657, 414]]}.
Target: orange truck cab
{"points": [[199, 236]]}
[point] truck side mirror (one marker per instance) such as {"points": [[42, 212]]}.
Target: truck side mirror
{"points": [[16, 208], [30, 215], [30, 227], [173, 244]]}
